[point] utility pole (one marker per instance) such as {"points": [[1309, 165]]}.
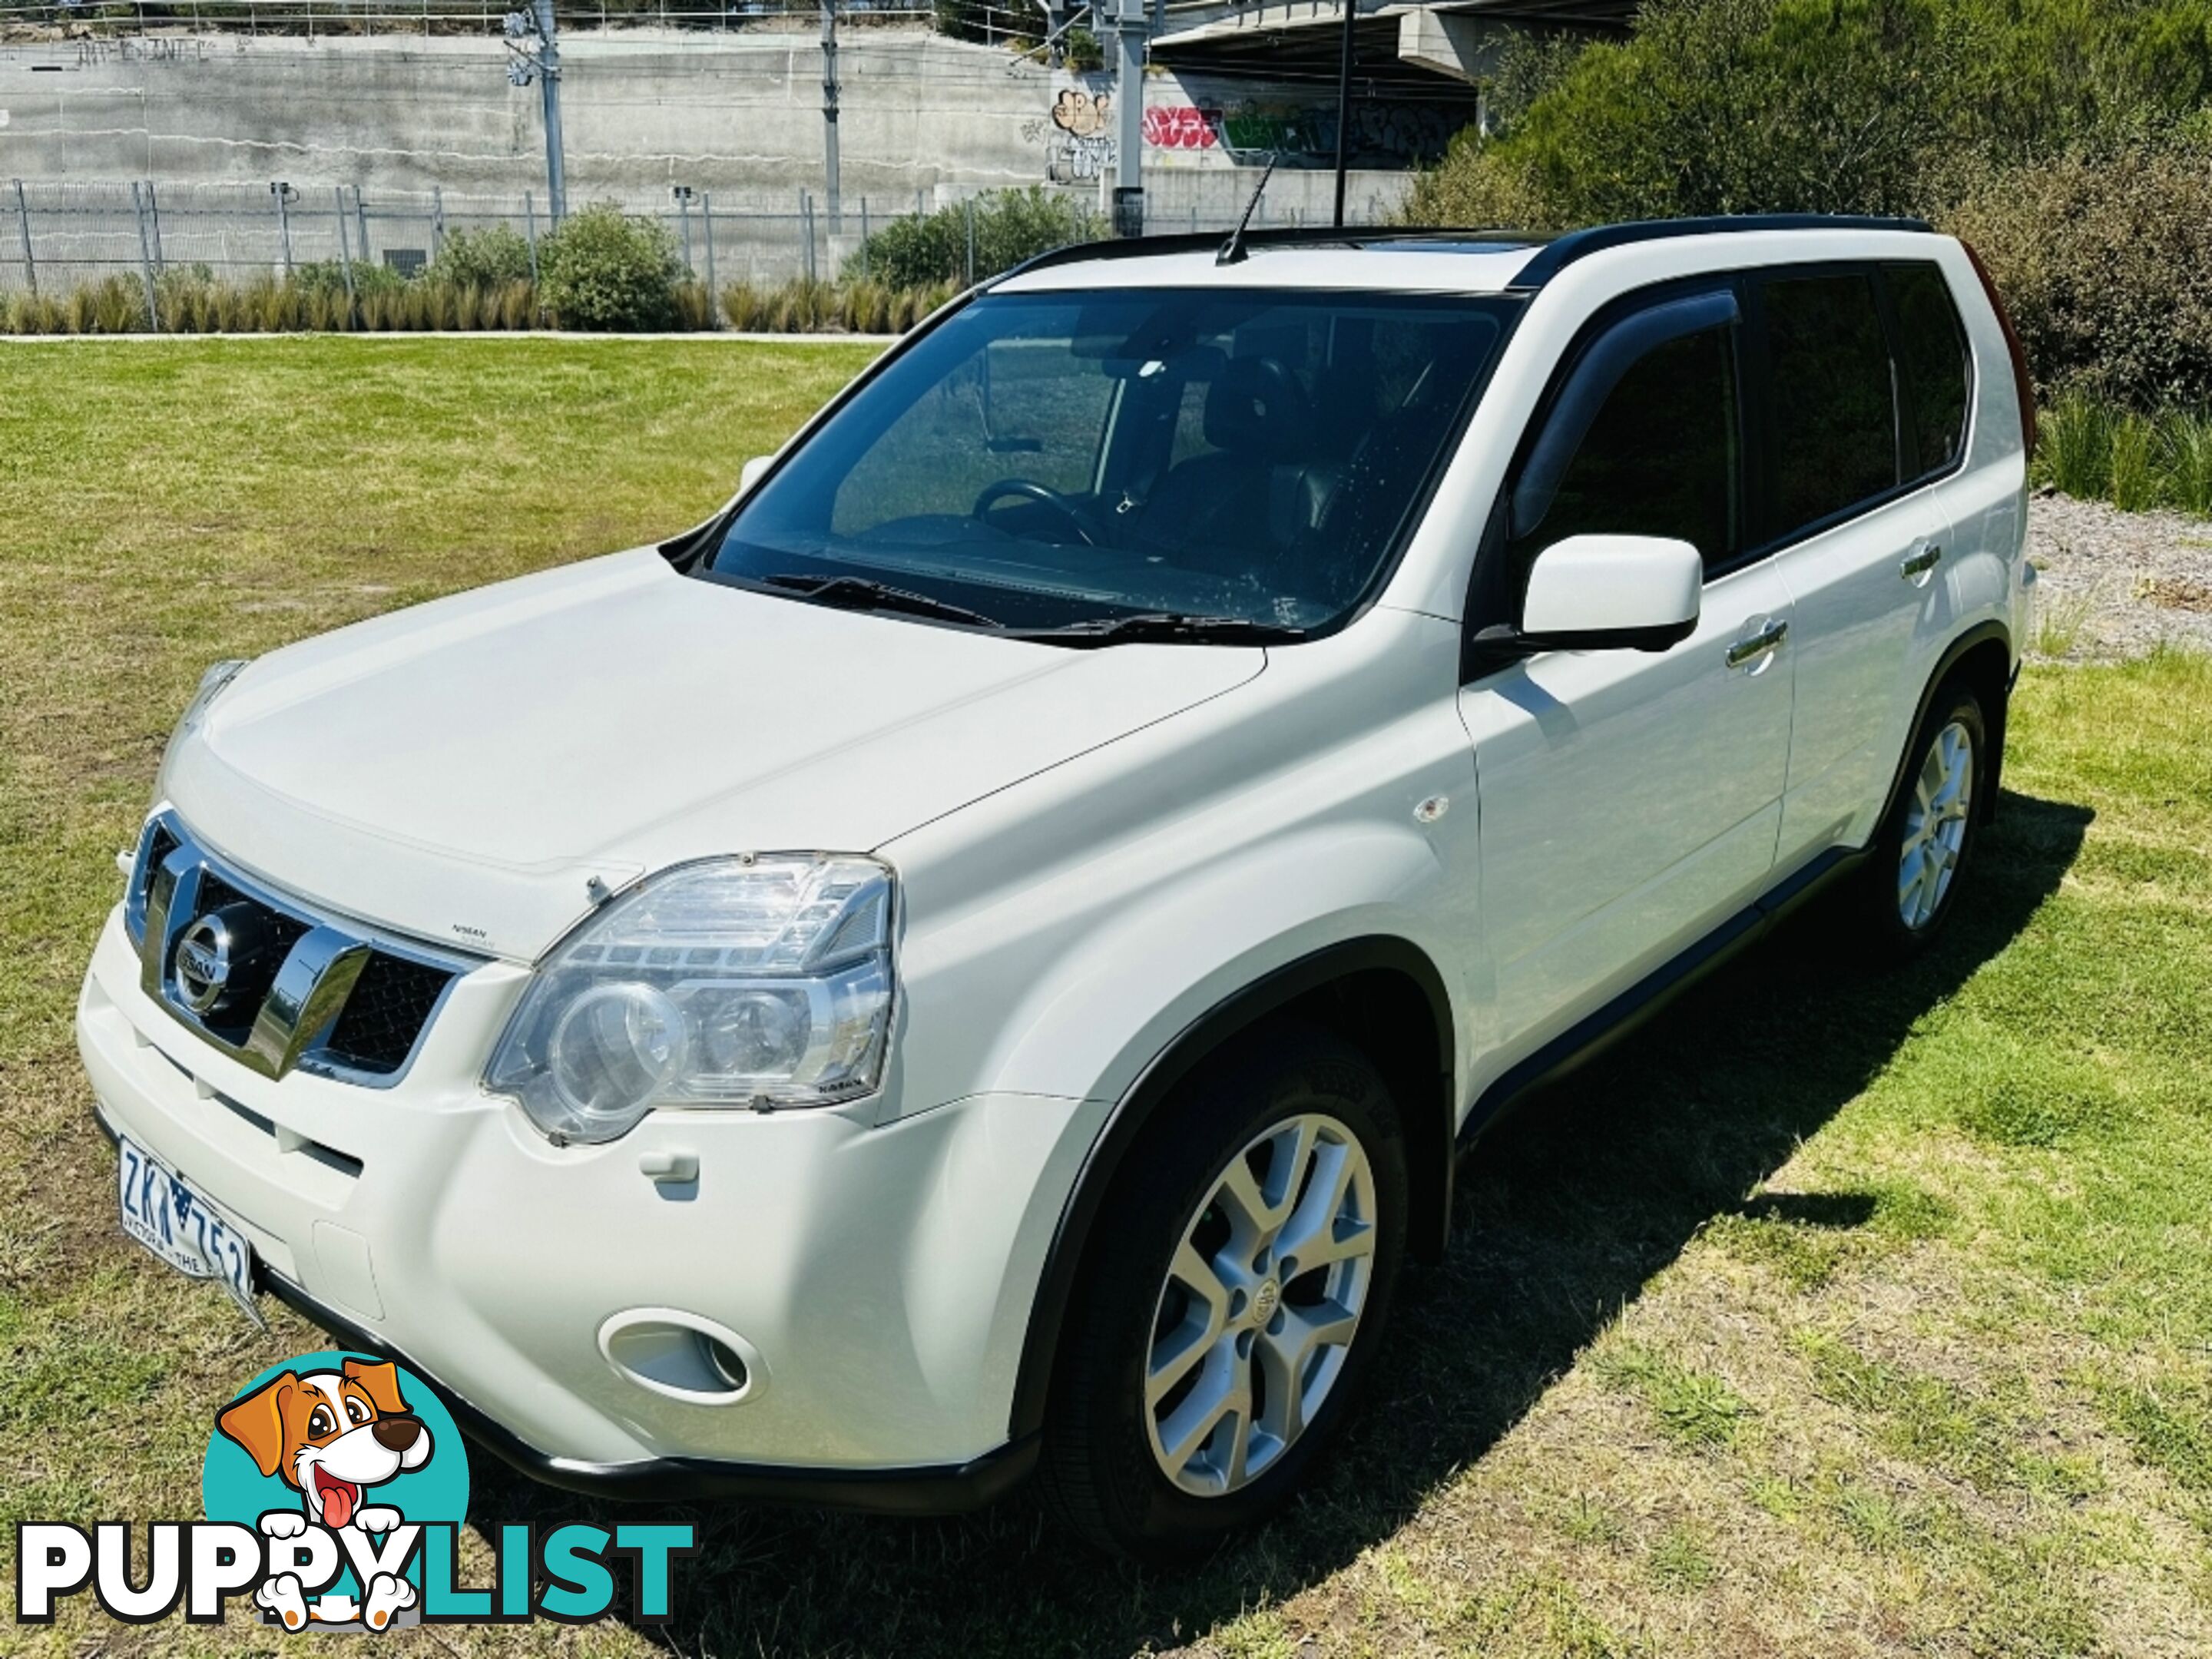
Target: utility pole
{"points": [[830, 112], [1129, 33], [534, 54], [1344, 102], [549, 82]]}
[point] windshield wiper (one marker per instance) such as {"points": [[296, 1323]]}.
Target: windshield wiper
{"points": [[864, 593], [1165, 625]]}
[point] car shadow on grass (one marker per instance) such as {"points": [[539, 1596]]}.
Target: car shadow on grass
{"points": [[1564, 1213]]}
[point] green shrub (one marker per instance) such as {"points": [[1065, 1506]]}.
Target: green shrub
{"points": [[321, 277], [1010, 226], [1714, 107], [483, 258], [2070, 141], [2088, 446], [1821, 105], [2106, 265], [1080, 51], [2137, 480], [2073, 446], [370, 277], [2187, 457], [600, 269], [966, 20]]}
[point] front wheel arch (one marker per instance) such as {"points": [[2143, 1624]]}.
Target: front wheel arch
{"points": [[1381, 994]]}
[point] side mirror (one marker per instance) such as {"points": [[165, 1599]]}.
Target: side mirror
{"points": [[750, 473], [1606, 593]]}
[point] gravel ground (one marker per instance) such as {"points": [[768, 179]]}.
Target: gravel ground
{"points": [[2116, 584]]}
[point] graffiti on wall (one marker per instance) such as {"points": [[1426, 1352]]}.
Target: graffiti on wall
{"points": [[1249, 130], [1078, 136]]}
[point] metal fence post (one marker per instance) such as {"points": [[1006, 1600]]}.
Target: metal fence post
{"points": [[864, 239], [154, 214], [437, 221], [806, 233], [345, 248], [23, 217], [360, 223], [967, 207], [145, 257], [530, 234], [713, 293], [279, 188], [684, 220]]}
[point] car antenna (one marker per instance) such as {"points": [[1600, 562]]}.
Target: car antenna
{"points": [[1233, 251]]}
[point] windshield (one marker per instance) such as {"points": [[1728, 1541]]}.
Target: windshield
{"points": [[1186, 461]]}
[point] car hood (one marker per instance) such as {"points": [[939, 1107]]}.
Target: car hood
{"points": [[468, 770]]}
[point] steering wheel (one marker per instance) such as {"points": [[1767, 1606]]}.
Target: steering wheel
{"points": [[1043, 496]]}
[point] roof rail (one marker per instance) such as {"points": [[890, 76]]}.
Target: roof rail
{"points": [[1285, 236], [1561, 252], [1552, 253]]}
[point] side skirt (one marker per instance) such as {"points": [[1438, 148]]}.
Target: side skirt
{"points": [[1596, 1032]]}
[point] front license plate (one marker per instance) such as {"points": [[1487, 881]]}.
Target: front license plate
{"points": [[162, 1213]]}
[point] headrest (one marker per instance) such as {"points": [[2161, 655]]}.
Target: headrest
{"points": [[1256, 404]]}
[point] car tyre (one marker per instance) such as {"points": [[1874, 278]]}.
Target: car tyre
{"points": [[1911, 882], [1194, 1304]]}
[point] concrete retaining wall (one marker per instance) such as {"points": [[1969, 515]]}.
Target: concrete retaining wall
{"points": [[738, 114]]}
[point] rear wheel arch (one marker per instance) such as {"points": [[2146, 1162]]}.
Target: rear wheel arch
{"points": [[1984, 666], [1383, 996], [1981, 661]]}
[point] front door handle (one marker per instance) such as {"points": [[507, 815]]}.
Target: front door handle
{"points": [[1920, 561], [1752, 647]]}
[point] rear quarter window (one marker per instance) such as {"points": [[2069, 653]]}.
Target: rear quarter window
{"points": [[1933, 364], [1834, 437]]}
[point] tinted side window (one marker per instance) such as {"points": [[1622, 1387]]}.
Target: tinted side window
{"points": [[1661, 456], [1931, 354], [1835, 415]]}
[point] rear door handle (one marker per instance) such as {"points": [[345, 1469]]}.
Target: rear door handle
{"points": [[1753, 646], [1920, 561]]}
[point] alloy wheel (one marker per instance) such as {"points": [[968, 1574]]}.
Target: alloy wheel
{"points": [[1261, 1305], [1936, 825]]}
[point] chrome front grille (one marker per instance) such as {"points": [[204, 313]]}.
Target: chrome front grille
{"points": [[275, 983]]}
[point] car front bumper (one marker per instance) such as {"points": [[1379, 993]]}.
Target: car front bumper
{"points": [[880, 1273]]}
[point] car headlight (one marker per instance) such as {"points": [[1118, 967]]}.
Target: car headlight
{"points": [[762, 982], [213, 684]]}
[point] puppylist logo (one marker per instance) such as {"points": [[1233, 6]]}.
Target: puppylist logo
{"points": [[336, 1486]]}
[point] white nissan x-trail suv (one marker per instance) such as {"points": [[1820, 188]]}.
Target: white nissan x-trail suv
{"points": [[980, 957]]}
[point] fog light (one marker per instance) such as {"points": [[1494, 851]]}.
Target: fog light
{"points": [[682, 1356], [726, 1362]]}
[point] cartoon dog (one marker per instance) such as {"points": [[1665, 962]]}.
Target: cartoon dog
{"points": [[330, 1435]]}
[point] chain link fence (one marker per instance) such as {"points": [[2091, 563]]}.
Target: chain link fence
{"points": [[57, 237]]}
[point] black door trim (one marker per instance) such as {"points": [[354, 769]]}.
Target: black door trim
{"points": [[1597, 1031]]}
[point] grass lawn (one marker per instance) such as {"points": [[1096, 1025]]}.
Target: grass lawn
{"points": [[1829, 1315]]}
